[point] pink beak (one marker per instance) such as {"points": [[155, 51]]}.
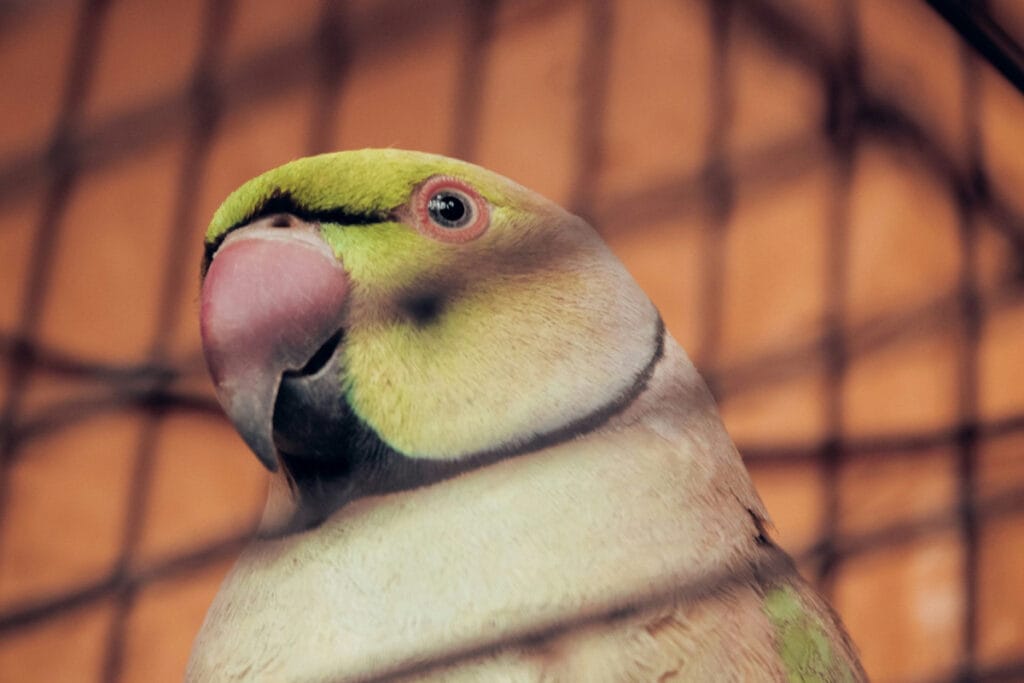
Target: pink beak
{"points": [[271, 298]]}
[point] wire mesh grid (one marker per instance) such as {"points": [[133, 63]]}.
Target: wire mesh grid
{"points": [[318, 63]]}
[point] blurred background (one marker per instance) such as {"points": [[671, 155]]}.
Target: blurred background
{"points": [[824, 197]]}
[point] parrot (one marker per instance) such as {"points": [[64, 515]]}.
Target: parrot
{"points": [[490, 461]]}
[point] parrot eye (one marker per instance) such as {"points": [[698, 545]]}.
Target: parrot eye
{"points": [[449, 210]]}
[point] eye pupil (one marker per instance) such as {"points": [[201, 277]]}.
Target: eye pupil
{"points": [[448, 209]]}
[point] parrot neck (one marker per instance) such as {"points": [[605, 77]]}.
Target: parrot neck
{"points": [[305, 498], [654, 500]]}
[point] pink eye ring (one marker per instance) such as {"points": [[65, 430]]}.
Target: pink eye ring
{"points": [[450, 210]]}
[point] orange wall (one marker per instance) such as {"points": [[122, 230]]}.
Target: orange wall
{"points": [[792, 181]]}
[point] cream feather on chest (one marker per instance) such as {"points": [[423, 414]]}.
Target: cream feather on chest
{"points": [[577, 533]]}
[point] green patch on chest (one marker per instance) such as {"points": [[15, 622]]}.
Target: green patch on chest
{"points": [[802, 641]]}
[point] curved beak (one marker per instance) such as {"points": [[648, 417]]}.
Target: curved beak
{"points": [[271, 299]]}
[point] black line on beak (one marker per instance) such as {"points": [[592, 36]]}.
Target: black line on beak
{"points": [[282, 201]]}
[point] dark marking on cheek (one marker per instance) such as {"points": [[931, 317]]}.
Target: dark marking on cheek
{"points": [[423, 309]]}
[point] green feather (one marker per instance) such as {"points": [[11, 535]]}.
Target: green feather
{"points": [[802, 641]]}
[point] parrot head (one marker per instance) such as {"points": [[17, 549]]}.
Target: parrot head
{"points": [[376, 320]]}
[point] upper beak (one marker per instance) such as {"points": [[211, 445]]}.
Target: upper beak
{"points": [[271, 298]]}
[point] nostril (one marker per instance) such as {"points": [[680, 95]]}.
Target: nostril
{"points": [[282, 220]]}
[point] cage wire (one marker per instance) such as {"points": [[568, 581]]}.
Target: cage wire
{"points": [[853, 114]]}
